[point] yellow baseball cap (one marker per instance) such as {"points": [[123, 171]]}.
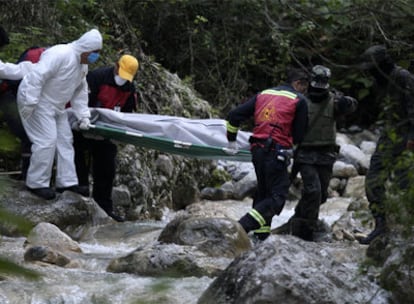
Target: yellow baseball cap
{"points": [[128, 66]]}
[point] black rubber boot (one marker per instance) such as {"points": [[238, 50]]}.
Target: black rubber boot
{"points": [[45, 193], [261, 236], [116, 217], [248, 223], [380, 228], [82, 190], [285, 228], [302, 228]]}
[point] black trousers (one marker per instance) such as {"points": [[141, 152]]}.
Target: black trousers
{"points": [[98, 155], [383, 163], [272, 183], [8, 106], [315, 179]]}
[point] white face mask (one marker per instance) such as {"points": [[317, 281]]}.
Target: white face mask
{"points": [[119, 81]]}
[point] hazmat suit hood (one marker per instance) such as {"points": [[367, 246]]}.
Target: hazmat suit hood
{"points": [[59, 77], [90, 41]]}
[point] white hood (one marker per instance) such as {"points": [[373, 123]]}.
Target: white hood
{"points": [[90, 41], [59, 77]]}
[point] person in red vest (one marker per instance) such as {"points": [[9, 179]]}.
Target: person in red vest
{"points": [[110, 88], [280, 120], [11, 75]]}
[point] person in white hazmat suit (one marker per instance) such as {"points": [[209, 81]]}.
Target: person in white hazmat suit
{"points": [[58, 77], [15, 71]]}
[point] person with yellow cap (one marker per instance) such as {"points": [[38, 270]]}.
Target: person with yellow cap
{"points": [[111, 88]]}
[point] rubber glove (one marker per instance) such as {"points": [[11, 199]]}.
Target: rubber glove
{"points": [[232, 148], [84, 123]]}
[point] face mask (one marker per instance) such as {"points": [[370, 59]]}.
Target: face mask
{"points": [[93, 57], [119, 81]]}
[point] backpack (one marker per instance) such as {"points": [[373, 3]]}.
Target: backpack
{"points": [[31, 54]]}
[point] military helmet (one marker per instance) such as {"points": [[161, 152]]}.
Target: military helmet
{"points": [[374, 56], [320, 76]]}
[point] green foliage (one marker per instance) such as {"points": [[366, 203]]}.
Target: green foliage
{"points": [[7, 267], [8, 142], [399, 201], [218, 177], [397, 176], [6, 218], [10, 268], [233, 49], [229, 49]]}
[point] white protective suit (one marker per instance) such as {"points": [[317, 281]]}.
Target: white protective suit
{"points": [[15, 71], [57, 78]]}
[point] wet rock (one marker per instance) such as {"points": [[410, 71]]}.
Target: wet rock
{"points": [[396, 274], [168, 260], [343, 170], [215, 194], [289, 270], [46, 255], [67, 211], [353, 154], [49, 235], [355, 187], [246, 186], [217, 237]]}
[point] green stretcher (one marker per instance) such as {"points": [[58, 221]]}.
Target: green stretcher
{"points": [[165, 144]]}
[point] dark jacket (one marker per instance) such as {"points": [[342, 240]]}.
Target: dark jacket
{"points": [[105, 93], [295, 130], [397, 100]]}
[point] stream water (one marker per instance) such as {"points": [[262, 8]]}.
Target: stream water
{"points": [[90, 283]]}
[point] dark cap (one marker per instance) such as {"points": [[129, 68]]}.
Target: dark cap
{"points": [[4, 38], [294, 74], [374, 56]]}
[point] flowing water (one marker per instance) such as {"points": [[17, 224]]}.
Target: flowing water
{"points": [[90, 283]]}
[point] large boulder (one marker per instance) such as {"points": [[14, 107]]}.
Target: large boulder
{"points": [[169, 260], [46, 243], [217, 237], [285, 269], [68, 210]]}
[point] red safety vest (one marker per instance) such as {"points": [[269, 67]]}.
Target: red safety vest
{"points": [[31, 54], [274, 114], [112, 97]]}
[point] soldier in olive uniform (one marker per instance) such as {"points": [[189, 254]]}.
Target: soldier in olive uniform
{"points": [[395, 88], [316, 154]]}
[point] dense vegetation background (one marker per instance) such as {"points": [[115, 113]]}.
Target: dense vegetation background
{"points": [[227, 50]]}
